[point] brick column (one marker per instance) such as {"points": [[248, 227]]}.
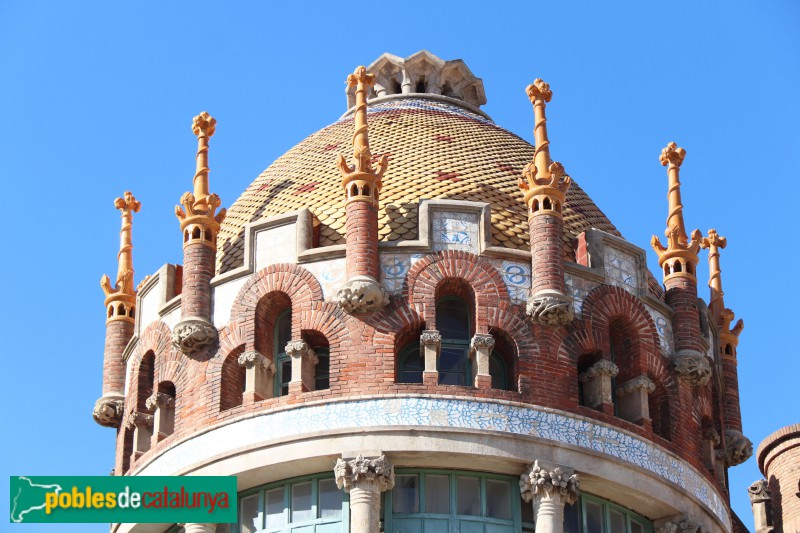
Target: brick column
{"points": [[120, 305], [199, 226], [549, 487], [364, 478], [362, 184], [545, 186]]}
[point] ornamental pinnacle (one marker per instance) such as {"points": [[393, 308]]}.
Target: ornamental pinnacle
{"points": [[361, 182], [679, 257], [121, 299]]}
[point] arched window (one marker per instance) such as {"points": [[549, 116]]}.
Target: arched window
{"points": [[145, 379], [499, 372], [410, 365], [455, 326], [323, 369], [283, 363]]}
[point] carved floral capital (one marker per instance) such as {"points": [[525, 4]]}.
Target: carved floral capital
{"points": [[160, 400], [482, 342], [300, 348], [137, 418], [635, 384], [252, 358], [430, 337], [350, 473], [539, 482], [603, 367]]}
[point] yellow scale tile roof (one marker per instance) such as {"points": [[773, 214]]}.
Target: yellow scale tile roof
{"points": [[435, 149]]}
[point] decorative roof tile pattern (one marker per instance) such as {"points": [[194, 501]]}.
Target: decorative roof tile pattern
{"points": [[435, 150]]}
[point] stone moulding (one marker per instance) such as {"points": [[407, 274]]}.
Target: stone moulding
{"points": [[513, 419]]}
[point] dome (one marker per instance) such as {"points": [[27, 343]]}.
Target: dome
{"points": [[437, 149]]}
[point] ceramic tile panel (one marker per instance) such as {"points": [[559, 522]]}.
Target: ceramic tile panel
{"points": [[394, 269], [517, 277], [578, 289], [455, 231], [621, 269], [330, 275], [664, 329], [276, 245], [409, 412]]}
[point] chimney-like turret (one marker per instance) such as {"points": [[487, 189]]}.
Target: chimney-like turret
{"points": [[120, 304], [545, 186], [362, 291], [738, 448], [200, 225]]}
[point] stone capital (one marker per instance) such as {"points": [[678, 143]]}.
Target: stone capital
{"points": [[549, 482], [635, 384], [191, 335], [759, 491], [603, 367], [376, 471], [139, 419], [711, 435], [681, 525], [692, 367], [300, 348], [159, 399], [482, 341], [430, 337], [252, 358]]}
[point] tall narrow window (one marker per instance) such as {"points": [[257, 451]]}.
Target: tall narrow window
{"points": [[454, 324], [410, 365], [283, 363], [498, 371], [323, 369]]}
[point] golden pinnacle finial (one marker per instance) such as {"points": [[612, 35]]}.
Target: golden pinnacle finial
{"points": [[121, 298], [729, 336], [199, 208], [544, 181], [361, 181], [714, 243], [679, 257]]}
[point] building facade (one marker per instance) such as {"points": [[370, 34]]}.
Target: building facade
{"points": [[776, 498], [439, 331]]}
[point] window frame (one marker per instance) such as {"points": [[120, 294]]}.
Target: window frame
{"points": [[458, 344], [280, 356], [607, 506]]}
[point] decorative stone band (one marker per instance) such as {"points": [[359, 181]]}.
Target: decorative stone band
{"points": [[108, 411], [361, 294], [552, 483], [693, 367], [479, 341], [683, 526], [191, 335], [603, 367], [140, 419], [252, 358], [635, 384], [738, 448], [377, 470], [471, 416], [550, 308], [759, 491], [430, 337], [301, 349], [159, 399]]}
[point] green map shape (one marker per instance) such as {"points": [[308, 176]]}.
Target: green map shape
{"points": [[28, 497]]}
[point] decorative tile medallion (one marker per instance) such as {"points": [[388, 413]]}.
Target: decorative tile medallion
{"points": [[455, 231], [556, 427], [517, 277], [394, 269], [621, 269]]}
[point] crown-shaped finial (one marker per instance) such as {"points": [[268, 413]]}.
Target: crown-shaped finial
{"points": [[727, 333], [679, 257], [714, 243], [199, 209], [123, 291], [362, 181], [543, 181]]}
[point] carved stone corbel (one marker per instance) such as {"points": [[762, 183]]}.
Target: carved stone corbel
{"points": [[192, 335], [108, 411], [361, 294], [550, 308], [738, 448], [692, 367]]}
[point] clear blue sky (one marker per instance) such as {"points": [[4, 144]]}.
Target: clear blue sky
{"points": [[97, 97]]}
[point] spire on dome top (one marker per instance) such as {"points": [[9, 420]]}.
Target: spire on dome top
{"points": [[714, 243], [123, 291], [679, 247], [362, 181]]}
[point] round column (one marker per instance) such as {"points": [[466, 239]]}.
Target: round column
{"points": [[365, 479]]}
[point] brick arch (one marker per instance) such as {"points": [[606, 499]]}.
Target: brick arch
{"points": [[211, 388], [156, 338], [328, 320], [427, 275], [298, 285]]}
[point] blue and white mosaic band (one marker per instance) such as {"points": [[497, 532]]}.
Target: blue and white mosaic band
{"points": [[500, 416]]}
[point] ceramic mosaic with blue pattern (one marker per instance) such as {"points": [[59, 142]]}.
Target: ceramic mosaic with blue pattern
{"points": [[621, 269], [447, 413], [455, 231]]}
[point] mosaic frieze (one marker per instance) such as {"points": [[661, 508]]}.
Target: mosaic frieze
{"points": [[621, 269], [455, 231], [445, 413]]}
